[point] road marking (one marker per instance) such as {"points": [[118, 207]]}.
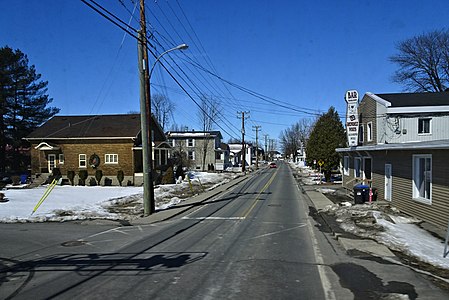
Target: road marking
{"points": [[258, 195], [213, 218], [280, 231], [325, 282]]}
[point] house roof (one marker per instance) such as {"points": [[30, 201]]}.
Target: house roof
{"points": [[90, 127], [193, 134], [435, 145], [416, 99]]}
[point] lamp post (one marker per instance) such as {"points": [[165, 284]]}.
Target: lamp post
{"points": [[145, 120]]}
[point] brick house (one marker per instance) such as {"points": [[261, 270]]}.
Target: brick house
{"points": [[103, 142], [402, 150]]}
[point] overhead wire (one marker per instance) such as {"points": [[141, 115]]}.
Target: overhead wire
{"points": [[213, 89], [116, 21]]}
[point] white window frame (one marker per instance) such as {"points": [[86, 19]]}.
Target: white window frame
{"points": [[430, 126], [361, 134], [419, 175], [191, 154], [82, 160], [388, 182], [346, 165], [369, 131], [111, 159], [364, 168], [61, 159], [188, 143], [51, 162], [359, 169]]}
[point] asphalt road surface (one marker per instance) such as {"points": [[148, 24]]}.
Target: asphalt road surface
{"points": [[255, 241]]}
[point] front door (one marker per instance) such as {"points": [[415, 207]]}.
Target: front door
{"points": [[51, 162], [388, 182]]}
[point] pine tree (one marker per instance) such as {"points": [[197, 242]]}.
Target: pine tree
{"points": [[327, 135], [23, 105]]}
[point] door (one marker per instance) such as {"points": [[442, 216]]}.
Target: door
{"points": [[51, 162], [388, 182]]}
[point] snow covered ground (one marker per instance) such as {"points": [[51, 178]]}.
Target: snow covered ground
{"points": [[66, 203], [385, 225]]}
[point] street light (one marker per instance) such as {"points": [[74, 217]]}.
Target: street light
{"points": [[179, 47], [145, 116]]}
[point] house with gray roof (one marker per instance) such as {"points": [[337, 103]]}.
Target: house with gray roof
{"points": [[403, 152], [110, 143]]}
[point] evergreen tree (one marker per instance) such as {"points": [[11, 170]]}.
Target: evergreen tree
{"points": [[327, 135], [23, 106]]}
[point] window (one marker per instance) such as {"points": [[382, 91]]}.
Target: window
{"points": [[346, 165], [422, 178], [357, 164], [111, 158], [369, 131], [61, 159], [191, 155], [190, 143], [51, 162], [82, 161], [361, 134], [423, 125], [367, 168]]}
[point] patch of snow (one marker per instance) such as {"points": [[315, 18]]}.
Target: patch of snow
{"points": [[65, 203]]}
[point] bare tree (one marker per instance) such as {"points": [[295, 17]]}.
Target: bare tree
{"points": [[208, 113], [423, 62], [294, 138], [162, 107], [179, 127]]}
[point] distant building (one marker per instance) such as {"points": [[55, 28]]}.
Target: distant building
{"points": [[236, 154], [203, 149]]}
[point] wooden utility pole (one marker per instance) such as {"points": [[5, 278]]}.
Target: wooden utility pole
{"points": [[145, 116], [266, 146], [257, 127], [243, 138]]}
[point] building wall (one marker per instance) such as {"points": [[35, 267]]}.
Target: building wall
{"points": [[198, 148], [72, 149], [367, 114], [381, 124], [204, 146], [402, 184], [400, 129]]}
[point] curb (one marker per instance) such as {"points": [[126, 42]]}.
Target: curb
{"points": [[187, 204]]}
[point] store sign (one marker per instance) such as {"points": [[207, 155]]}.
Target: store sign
{"points": [[352, 117]]}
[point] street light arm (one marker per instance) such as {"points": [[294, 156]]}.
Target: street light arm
{"points": [[179, 47]]}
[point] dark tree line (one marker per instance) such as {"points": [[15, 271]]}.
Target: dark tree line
{"points": [[23, 107]]}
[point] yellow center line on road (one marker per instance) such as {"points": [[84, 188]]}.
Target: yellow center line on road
{"points": [[258, 195]]}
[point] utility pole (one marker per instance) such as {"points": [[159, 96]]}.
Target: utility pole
{"points": [[243, 138], [257, 127], [266, 146], [145, 116]]}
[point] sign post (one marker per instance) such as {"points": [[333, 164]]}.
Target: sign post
{"points": [[352, 118], [321, 163]]}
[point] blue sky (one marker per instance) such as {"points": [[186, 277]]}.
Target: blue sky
{"points": [[303, 54]]}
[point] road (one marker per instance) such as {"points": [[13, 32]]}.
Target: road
{"points": [[255, 241]]}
